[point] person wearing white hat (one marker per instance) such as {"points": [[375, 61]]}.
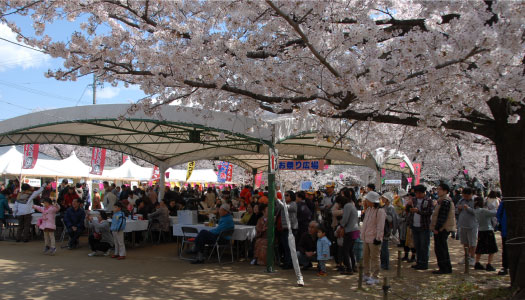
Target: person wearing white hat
{"points": [[210, 236], [372, 232]]}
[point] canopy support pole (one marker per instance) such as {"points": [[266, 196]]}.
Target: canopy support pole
{"points": [[254, 173], [162, 181], [378, 180]]}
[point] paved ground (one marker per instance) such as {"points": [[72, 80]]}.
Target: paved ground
{"points": [[154, 272]]}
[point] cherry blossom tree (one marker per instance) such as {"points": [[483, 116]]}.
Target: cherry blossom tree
{"points": [[455, 66]]}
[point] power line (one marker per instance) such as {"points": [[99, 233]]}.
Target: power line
{"points": [[22, 45], [37, 92]]}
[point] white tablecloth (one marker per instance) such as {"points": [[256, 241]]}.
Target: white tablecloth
{"points": [[241, 233], [135, 225]]}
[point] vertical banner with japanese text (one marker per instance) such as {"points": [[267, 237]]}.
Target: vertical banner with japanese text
{"points": [[98, 159], [223, 172], [417, 172], [156, 173], [30, 156], [191, 166], [229, 173]]}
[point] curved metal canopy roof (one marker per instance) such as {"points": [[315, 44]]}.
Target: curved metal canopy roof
{"points": [[177, 135]]}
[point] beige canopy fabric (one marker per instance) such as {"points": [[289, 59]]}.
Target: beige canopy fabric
{"points": [[177, 135]]}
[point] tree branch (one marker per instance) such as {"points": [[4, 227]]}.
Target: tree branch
{"points": [[303, 36]]}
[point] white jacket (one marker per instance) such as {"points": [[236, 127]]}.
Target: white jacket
{"points": [[21, 209]]}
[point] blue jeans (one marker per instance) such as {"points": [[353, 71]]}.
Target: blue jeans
{"points": [[421, 239], [385, 255]]}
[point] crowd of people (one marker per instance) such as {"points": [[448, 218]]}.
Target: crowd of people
{"points": [[348, 226]]}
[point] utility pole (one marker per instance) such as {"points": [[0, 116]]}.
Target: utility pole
{"points": [[94, 89]]}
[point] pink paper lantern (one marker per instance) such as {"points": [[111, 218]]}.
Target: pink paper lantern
{"points": [[409, 179], [383, 172], [341, 176], [402, 164], [465, 171], [221, 186]]}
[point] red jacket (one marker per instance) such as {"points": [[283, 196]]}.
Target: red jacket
{"points": [[68, 199]]}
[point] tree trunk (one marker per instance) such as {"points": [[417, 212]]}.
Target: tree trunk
{"points": [[510, 147]]}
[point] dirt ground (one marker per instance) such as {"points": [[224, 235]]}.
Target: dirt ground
{"points": [[155, 272]]}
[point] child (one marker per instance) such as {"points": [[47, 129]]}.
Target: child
{"points": [[47, 224], [118, 224], [486, 239], [323, 251]]}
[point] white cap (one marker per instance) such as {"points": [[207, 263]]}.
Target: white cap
{"points": [[372, 197], [389, 196]]}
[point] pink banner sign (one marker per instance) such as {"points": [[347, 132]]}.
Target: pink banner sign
{"points": [[258, 179]]}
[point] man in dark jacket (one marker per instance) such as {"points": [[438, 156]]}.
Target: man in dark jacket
{"points": [[74, 220], [304, 215], [307, 246], [420, 216]]}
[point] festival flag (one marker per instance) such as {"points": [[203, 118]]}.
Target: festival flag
{"points": [[223, 172], [258, 179], [417, 172], [229, 174], [125, 158], [156, 173], [30, 156], [98, 159], [191, 166]]}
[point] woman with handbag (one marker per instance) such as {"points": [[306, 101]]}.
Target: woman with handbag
{"points": [[100, 239]]}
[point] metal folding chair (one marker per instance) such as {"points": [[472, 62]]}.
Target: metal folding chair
{"points": [[224, 241], [188, 238]]}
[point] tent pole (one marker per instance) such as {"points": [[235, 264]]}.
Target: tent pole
{"points": [[162, 187], [254, 173]]}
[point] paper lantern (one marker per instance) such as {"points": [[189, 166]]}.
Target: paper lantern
{"points": [[409, 179], [383, 172], [465, 171], [341, 176], [402, 165]]}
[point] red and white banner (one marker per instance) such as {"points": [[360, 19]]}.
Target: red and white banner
{"points": [[156, 173], [30, 156], [125, 158], [98, 159], [229, 175], [417, 172]]}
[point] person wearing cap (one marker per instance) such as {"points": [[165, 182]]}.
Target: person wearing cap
{"points": [[421, 212], [372, 232], [329, 199], [210, 236], [391, 224]]}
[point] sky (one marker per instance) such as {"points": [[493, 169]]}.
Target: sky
{"points": [[24, 88]]}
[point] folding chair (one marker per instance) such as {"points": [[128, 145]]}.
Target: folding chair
{"points": [[63, 235], [224, 241], [188, 238]]}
